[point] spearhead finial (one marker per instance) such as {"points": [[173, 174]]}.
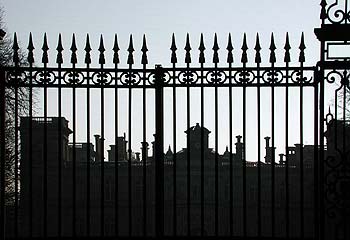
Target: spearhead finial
{"points": [[188, 49], [323, 14], [59, 48], [201, 49], [272, 50], [144, 50], [45, 48], [116, 50], [216, 49], [173, 49], [302, 48], [229, 49], [287, 49], [244, 48], [15, 48], [101, 49], [131, 50], [30, 49], [257, 49], [87, 50], [74, 49]]}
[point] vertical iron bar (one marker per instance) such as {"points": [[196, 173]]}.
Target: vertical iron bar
{"points": [[344, 155], [159, 156], [129, 154], [202, 151], [144, 96], [116, 157], [102, 160], [74, 156], [244, 163], [174, 155], [60, 149], [259, 148], [188, 99], [216, 160], [45, 152], [231, 148], [316, 162], [287, 152], [30, 149], [301, 155], [3, 155], [273, 156], [16, 156], [88, 153]]}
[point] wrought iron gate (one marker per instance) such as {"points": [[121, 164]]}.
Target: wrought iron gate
{"points": [[54, 185]]}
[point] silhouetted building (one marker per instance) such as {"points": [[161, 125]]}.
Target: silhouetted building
{"points": [[77, 188]]}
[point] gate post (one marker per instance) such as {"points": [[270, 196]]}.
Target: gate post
{"points": [[2, 153], [159, 154]]}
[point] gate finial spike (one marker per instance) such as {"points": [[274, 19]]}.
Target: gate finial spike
{"points": [[201, 49], [257, 49], [116, 50], [215, 49], [59, 58], [302, 47], [188, 49], [45, 48], [101, 49], [15, 48], [30, 49], [272, 49], [144, 50], [229, 49], [130, 50], [73, 48], [244, 48], [287, 48], [87, 50], [323, 14], [173, 49]]}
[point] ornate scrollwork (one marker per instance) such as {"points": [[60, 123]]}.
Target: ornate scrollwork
{"points": [[216, 77], [130, 78], [45, 77], [298, 76], [16, 77], [272, 76], [244, 77], [73, 78], [151, 78], [102, 78], [333, 76], [188, 77], [338, 13]]}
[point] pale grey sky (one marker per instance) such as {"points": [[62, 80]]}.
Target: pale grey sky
{"points": [[158, 19]]}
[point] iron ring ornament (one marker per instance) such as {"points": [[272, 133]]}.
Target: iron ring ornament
{"points": [[165, 78], [244, 77], [130, 78], [188, 77], [216, 77], [102, 78], [272, 76], [16, 77], [73, 78], [45, 77]]}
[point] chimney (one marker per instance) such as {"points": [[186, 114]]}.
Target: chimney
{"points": [[144, 150], [268, 153], [98, 148], [239, 148], [137, 156], [281, 158]]}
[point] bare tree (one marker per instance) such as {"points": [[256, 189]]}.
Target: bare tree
{"points": [[17, 104]]}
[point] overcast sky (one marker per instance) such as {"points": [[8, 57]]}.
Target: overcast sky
{"points": [[158, 19]]}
